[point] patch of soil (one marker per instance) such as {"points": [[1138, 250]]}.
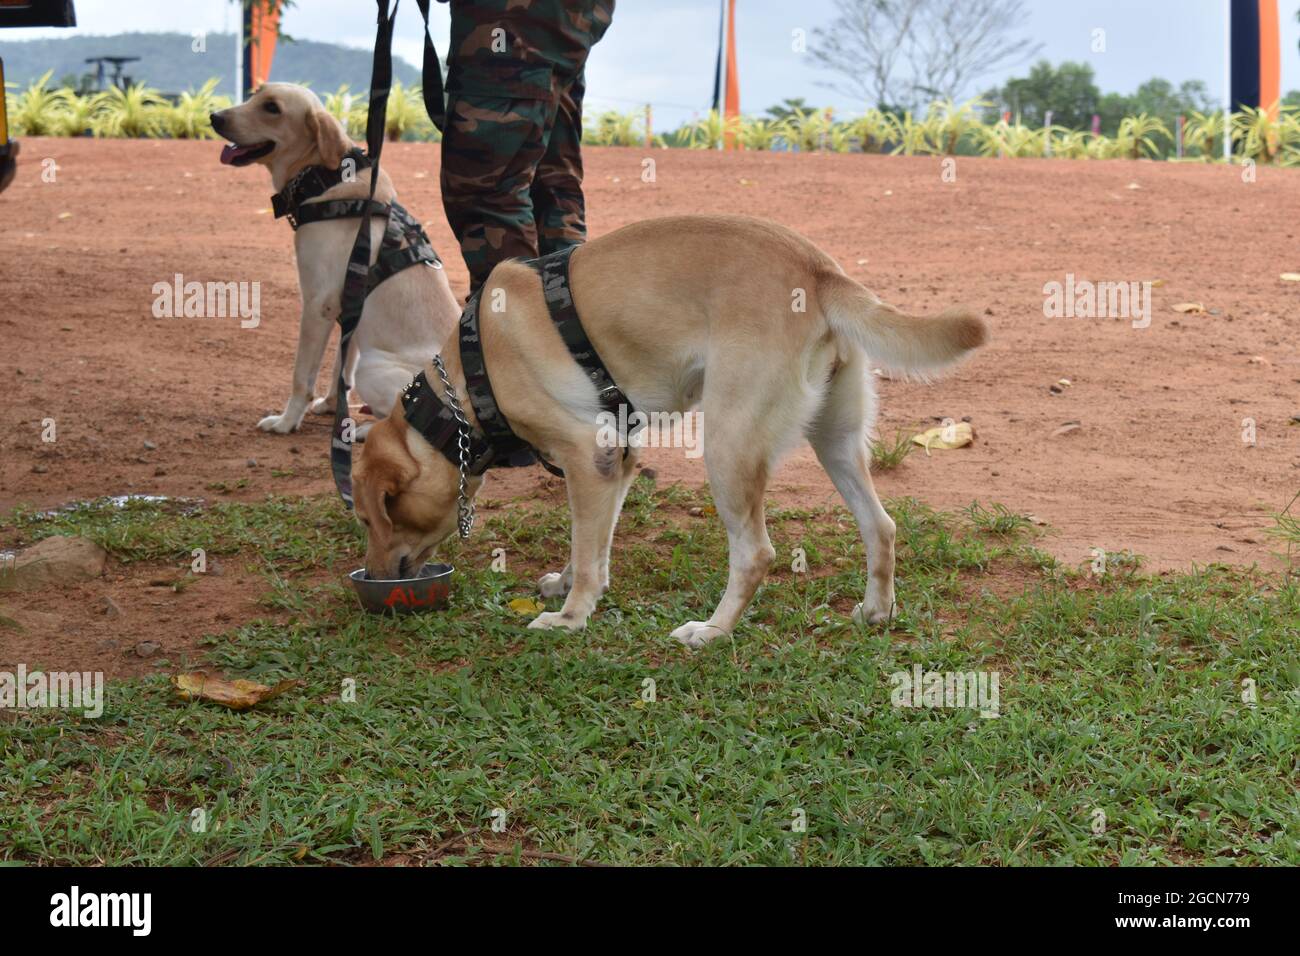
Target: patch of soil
{"points": [[69, 628]]}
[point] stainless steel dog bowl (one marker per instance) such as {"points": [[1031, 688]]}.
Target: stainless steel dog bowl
{"points": [[427, 591]]}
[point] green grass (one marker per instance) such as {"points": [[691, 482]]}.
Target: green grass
{"points": [[1287, 527], [889, 454], [1121, 694], [997, 520]]}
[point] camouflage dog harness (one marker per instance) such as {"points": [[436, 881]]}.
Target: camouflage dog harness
{"points": [[405, 243], [494, 444]]}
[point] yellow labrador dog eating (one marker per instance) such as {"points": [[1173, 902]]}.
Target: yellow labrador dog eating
{"points": [[743, 318], [406, 318]]}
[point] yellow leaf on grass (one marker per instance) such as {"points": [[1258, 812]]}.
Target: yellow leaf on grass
{"points": [[1190, 308], [957, 435], [236, 694], [527, 606]]}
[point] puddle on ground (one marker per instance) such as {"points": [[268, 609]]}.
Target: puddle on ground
{"points": [[187, 506]]}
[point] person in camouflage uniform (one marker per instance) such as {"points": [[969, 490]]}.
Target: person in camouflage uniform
{"points": [[511, 149]]}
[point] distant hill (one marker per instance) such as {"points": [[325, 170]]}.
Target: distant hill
{"points": [[167, 62]]}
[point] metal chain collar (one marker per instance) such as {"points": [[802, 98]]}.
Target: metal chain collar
{"points": [[291, 190], [464, 506]]}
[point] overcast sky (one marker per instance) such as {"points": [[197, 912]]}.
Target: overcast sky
{"points": [[663, 51]]}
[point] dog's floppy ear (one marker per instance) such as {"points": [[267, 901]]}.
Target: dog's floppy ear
{"points": [[372, 491], [331, 139], [385, 469]]}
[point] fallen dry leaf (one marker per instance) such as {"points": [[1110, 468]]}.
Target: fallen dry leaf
{"points": [[237, 694], [1190, 308], [957, 435], [527, 606]]}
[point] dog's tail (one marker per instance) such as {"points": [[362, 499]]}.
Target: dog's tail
{"points": [[907, 343]]}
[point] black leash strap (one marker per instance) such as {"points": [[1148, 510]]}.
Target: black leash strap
{"points": [[431, 75], [359, 279], [355, 282]]}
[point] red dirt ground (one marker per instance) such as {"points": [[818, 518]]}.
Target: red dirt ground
{"points": [[1158, 467]]}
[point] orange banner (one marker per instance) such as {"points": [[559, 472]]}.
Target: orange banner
{"points": [[731, 107], [263, 30], [1270, 57]]}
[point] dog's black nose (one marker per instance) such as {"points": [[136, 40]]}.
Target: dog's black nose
{"points": [[217, 120]]}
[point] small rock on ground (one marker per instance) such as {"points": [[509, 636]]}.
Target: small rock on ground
{"points": [[108, 607], [57, 560]]}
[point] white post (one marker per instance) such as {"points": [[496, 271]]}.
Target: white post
{"points": [[1227, 81]]}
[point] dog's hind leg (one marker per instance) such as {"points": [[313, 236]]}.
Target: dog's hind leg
{"points": [[751, 415], [838, 436], [556, 583], [738, 486]]}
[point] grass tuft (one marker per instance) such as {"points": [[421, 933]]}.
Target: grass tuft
{"points": [[997, 520], [887, 455]]}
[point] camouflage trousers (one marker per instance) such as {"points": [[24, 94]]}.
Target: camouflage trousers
{"points": [[512, 175]]}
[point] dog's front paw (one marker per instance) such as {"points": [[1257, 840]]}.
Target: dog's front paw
{"points": [[280, 424], [554, 585], [863, 614], [556, 619], [322, 406], [696, 634]]}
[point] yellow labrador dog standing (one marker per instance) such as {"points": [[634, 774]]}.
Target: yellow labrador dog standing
{"points": [[743, 318], [406, 318]]}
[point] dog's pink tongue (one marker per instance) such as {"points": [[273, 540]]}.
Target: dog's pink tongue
{"points": [[230, 152]]}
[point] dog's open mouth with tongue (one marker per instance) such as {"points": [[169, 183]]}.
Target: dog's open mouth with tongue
{"points": [[232, 154]]}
